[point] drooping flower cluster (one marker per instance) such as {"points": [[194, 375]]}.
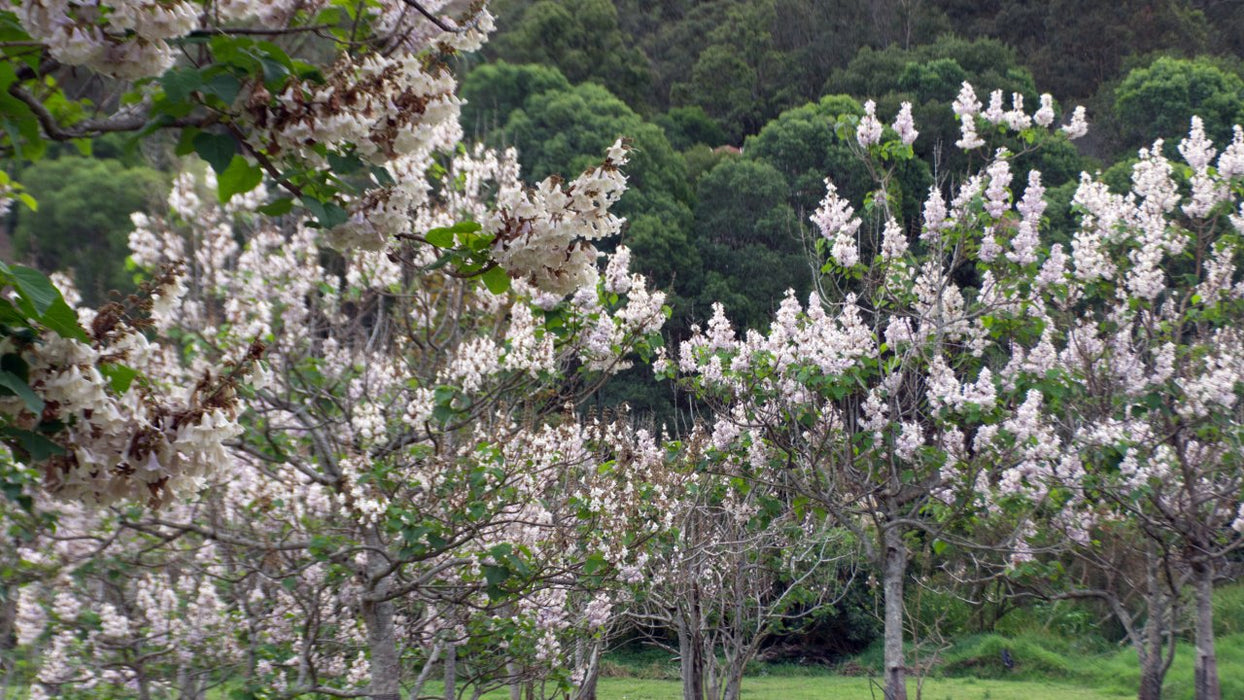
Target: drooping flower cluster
{"points": [[122, 38], [544, 235]]}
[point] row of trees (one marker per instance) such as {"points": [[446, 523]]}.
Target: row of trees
{"points": [[743, 63], [335, 442]]}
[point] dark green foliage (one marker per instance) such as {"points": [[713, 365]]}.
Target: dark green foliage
{"points": [[701, 159], [1158, 101], [739, 77], [1071, 46], [802, 146], [83, 222], [749, 240], [565, 131], [689, 126], [494, 91], [933, 71], [583, 40]]}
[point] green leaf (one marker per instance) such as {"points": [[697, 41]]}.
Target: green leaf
{"points": [[497, 280], [185, 143], [440, 237], [180, 82], [383, 178], [594, 563], [344, 164], [31, 203], [278, 207], [35, 287], [63, 320], [241, 176], [10, 315], [223, 85], [18, 387], [495, 575], [217, 149], [36, 446], [119, 376], [274, 73]]}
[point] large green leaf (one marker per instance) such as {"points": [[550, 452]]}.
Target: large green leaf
{"points": [[497, 280], [36, 446], [241, 176], [22, 390], [35, 287], [64, 321], [217, 149]]}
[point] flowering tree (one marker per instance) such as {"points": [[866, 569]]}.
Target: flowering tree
{"points": [[341, 106], [1147, 359], [973, 366], [860, 400], [409, 483]]}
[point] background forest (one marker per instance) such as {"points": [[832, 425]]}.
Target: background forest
{"points": [[728, 107]]}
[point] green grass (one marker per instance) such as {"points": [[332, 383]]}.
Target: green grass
{"points": [[843, 688]]}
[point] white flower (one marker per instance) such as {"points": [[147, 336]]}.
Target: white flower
{"points": [[869, 130], [904, 124]]}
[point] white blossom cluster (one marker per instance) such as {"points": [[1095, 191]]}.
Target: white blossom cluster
{"points": [[1110, 325], [146, 442], [545, 235], [968, 109], [122, 38]]}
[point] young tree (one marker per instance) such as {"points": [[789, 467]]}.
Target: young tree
{"points": [[737, 567]]}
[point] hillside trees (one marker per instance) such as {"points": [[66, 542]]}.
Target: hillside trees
{"points": [[582, 39], [1158, 99], [88, 203]]}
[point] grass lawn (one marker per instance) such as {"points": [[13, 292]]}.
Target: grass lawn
{"points": [[842, 688]]}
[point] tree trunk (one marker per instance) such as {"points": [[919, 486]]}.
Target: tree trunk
{"points": [[451, 671], [381, 634], [734, 677], [893, 572], [382, 642], [1150, 682], [516, 688], [689, 644], [1207, 685], [591, 674]]}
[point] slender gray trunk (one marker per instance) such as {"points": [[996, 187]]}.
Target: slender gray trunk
{"points": [[734, 677], [381, 634], [516, 688], [1152, 671], [451, 671], [433, 656], [587, 689], [188, 685], [1150, 683], [893, 572], [689, 648], [1207, 685]]}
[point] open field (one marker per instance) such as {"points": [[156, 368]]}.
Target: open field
{"points": [[847, 688]]}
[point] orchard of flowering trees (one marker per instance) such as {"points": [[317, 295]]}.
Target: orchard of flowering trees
{"points": [[341, 441]]}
